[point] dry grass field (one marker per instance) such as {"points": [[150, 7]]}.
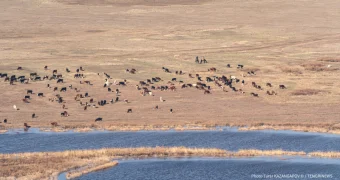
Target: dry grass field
{"points": [[295, 43]]}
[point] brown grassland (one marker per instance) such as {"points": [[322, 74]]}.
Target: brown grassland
{"points": [[285, 42], [44, 165], [294, 43]]}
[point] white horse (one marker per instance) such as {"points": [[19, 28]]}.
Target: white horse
{"points": [[161, 99], [107, 82]]}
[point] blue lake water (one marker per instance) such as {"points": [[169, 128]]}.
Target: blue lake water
{"points": [[216, 169], [228, 139], [192, 168]]}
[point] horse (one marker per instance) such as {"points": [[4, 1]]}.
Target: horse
{"points": [[282, 86], [98, 119]]}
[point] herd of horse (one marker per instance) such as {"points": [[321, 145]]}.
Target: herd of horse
{"points": [[211, 83]]}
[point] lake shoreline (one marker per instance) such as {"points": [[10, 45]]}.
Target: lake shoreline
{"points": [[178, 128], [91, 160]]}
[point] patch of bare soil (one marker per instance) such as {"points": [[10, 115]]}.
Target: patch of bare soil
{"points": [[307, 92], [329, 59], [133, 2]]}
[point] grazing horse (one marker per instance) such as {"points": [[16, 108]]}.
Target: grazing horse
{"points": [[55, 71], [129, 111], [137, 87], [33, 74], [282, 86], [133, 71], [207, 92], [64, 114], [40, 94], [25, 101], [60, 100], [122, 83], [172, 88], [21, 77], [63, 89], [60, 81], [190, 75], [161, 99], [196, 60], [274, 93], [54, 124], [19, 68], [212, 69], [269, 84], [26, 127], [98, 119], [208, 79], [142, 83], [254, 94]]}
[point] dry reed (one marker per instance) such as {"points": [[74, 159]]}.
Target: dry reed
{"points": [[78, 173], [40, 165]]}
